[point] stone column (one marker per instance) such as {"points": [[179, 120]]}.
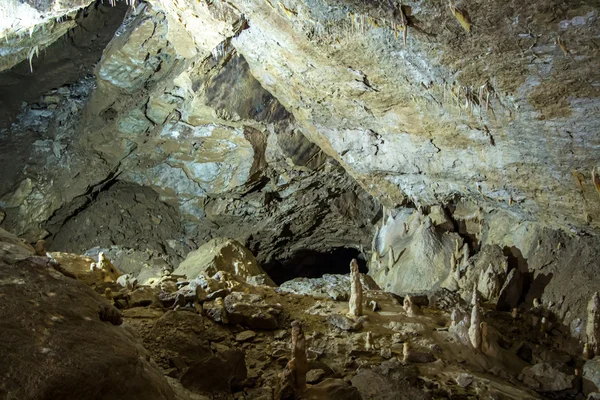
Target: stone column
{"points": [[356, 295]]}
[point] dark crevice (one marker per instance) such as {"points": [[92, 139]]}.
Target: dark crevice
{"points": [[314, 264], [469, 238], [515, 260]]}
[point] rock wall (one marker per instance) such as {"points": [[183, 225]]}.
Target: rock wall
{"points": [[168, 145]]}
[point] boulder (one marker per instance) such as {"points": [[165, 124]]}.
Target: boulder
{"points": [[127, 281], [488, 270], [440, 218], [216, 311], [415, 257], [489, 284], [141, 297], [140, 264], [252, 311], [13, 248], [315, 375], [81, 268], [245, 336], [221, 254], [75, 351], [546, 377], [259, 280], [344, 323]]}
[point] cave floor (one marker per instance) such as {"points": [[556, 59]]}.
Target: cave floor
{"points": [[369, 354]]}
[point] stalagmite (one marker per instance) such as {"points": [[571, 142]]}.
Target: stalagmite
{"points": [[475, 298], [106, 265], [356, 295], [299, 354], [475, 328], [406, 352], [108, 295], [369, 341], [485, 339], [587, 354], [410, 308], [453, 266], [592, 329], [465, 257], [287, 382]]}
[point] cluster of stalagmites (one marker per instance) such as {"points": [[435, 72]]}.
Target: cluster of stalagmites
{"points": [[226, 300]]}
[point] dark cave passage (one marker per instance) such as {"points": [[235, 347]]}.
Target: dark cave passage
{"points": [[314, 264]]}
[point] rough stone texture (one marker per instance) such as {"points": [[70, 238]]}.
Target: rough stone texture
{"points": [[510, 293], [564, 269], [488, 270], [84, 35], [43, 21], [389, 380], [546, 378], [450, 113], [336, 286], [159, 135], [253, 311], [356, 355], [63, 344], [413, 255], [220, 254], [591, 375]]}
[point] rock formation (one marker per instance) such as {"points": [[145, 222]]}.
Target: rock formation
{"points": [[475, 328], [592, 328], [299, 355], [410, 308], [356, 291], [167, 164]]}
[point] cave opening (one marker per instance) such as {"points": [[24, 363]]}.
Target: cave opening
{"points": [[314, 264]]}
